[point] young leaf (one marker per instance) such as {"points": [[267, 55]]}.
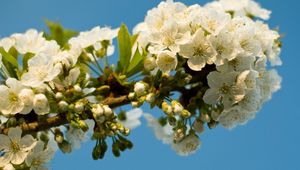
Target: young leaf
{"points": [[9, 58], [136, 64], [124, 43], [58, 33]]}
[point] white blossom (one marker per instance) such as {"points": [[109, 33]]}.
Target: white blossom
{"points": [[15, 98], [226, 46], [94, 37], [15, 147], [166, 61], [198, 51], [41, 69], [189, 145], [223, 88], [33, 41], [39, 156]]}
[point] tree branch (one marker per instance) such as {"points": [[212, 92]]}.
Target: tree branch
{"points": [[59, 120]]}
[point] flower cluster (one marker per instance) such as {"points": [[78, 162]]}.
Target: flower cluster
{"points": [[200, 65], [224, 34]]}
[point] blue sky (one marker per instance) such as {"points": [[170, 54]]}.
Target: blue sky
{"points": [[270, 142]]}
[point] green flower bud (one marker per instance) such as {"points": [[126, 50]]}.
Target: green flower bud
{"points": [[96, 152], [11, 122], [116, 149], [166, 108], [149, 63], [83, 125], [58, 136], [212, 124], [65, 146], [185, 114]]}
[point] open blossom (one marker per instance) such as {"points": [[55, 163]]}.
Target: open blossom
{"points": [[157, 17], [198, 51], [94, 37], [15, 147], [33, 42], [169, 37], [212, 21], [241, 8], [15, 98], [39, 156], [41, 69], [166, 61], [189, 145], [226, 46], [223, 88]]}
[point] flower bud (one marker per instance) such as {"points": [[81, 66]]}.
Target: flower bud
{"points": [[79, 107], [177, 107], [167, 108], [136, 104], [205, 117], [65, 147], [107, 110], [97, 110], [150, 97], [83, 125], [77, 88], [198, 126], [63, 106], [11, 122], [139, 88], [40, 104], [131, 96], [59, 96], [185, 113], [58, 136], [149, 63]]}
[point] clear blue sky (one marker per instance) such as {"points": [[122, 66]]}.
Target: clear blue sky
{"points": [[270, 142]]}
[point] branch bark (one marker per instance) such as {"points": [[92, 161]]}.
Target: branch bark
{"points": [[59, 120]]}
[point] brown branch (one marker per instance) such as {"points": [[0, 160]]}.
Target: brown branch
{"points": [[59, 120]]}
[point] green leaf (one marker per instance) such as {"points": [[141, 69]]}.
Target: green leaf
{"points": [[134, 38], [9, 58], [58, 33], [136, 64], [124, 44], [26, 57]]}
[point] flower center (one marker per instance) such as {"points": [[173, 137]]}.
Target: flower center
{"points": [[14, 146], [225, 89], [13, 97]]}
